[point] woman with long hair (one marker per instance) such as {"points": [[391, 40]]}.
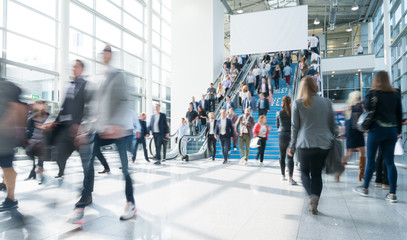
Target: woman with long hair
{"points": [[354, 138], [312, 132], [220, 92], [386, 102], [284, 130], [276, 76], [262, 131]]}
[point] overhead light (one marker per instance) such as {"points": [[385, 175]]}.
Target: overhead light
{"points": [[316, 21], [355, 6], [333, 72], [240, 10], [359, 70], [349, 29]]}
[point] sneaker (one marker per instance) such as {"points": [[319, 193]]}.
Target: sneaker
{"points": [[261, 164], [292, 182], [362, 191], [391, 197], [385, 186], [283, 178], [59, 176], [163, 160], [157, 163], [76, 215], [8, 204], [378, 185], [224, 162], [129, 211]]}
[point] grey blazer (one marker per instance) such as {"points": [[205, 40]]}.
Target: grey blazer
{"points": [[314, 127], [113, 103], [239, 124]]}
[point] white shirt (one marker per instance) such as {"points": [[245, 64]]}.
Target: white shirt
{"points": [[314, 56], [244, 127], [223, 124], [156, 129], [263, 129], [313, 41], [256, 71], [360, 49], [211, 126]]}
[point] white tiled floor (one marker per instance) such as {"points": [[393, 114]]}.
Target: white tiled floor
{"points": [[202, 200]]}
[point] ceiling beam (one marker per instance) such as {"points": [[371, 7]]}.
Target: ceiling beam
{"points": [[227, 7]]}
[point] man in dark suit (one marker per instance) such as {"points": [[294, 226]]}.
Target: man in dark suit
{"points": [[210, 135], [263, 88], [211, 92], [204, 103], [195, 104], [224, 132], [263, 105], [159, 128], [142, 138], [66, 125], [228, 104]]}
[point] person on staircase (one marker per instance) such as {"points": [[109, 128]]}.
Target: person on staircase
{"points": [[276, 77], [224, 133], [210, 135], [313, 128], [228, 104], [263, 88], [262, 131], [244, 126], [211, 92], [233, 116], [288, 71], [354, 138], [283, 122], [263, 105], [271, 92], [256, 73], [250, 80]]}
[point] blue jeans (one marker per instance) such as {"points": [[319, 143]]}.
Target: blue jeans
{"points": [[89, 178], [251, 88], [225, 143], [158, 141], [143, 142], [385, 138]]}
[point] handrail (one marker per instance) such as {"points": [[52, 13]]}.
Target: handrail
{"points": [[170, 154], [233, 92], [296, 79]]}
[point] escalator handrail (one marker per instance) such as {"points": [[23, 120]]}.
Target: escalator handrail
{"points": [[151, 140], [203, 132]]}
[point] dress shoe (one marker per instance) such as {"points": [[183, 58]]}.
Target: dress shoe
{"points": [[104, 171]]}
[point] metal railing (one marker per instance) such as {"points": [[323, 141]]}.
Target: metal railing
{"points": [[171, 151]]}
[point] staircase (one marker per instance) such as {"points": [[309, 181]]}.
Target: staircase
{"points": [[272, 151]]}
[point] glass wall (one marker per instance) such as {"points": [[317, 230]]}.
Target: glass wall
{"points": [[378, 32], [338, 86], [31, 47]]}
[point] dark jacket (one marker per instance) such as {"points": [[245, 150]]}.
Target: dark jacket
{"points": [[266, 104], [206, 102], [249, 124], [266, 94], [388, 108], [208, 125], [232, 105], [229, 128], [77, 104], [201, 115], [162, 124], [283, 121], [195, 104], [191, 115], [144, 130]]}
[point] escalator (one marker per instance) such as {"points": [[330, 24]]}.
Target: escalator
{"points": [[171, 150], [195, 147]]}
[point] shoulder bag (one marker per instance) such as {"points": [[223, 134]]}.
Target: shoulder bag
{"points": [[366, 119]]}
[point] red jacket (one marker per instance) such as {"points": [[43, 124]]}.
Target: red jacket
{"points": [[257, 128]]}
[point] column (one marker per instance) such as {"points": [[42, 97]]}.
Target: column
{"points": [[149, 62], [197, 51], [386, 37], [63, 50]]}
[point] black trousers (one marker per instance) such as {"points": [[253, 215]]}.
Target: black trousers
{"points": [[257, 81], [381, 169], [143, 142], [277, 83], [212, 104], [262, 112], [212, 146], [225, 143], [284, 141], [262, 148], [98, 153], [158, 141], [312, 162], [64, 148]]}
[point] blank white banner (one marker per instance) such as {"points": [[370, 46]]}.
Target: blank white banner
{"points": [[269, 31]]}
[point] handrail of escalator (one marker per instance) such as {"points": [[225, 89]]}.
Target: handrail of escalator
{"points": [[233, 92], [296, 79], [172, 154]]}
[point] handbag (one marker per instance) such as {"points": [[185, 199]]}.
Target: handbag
{"points": [[333, 161], [255, 142], [366, 119], [398, 149]]}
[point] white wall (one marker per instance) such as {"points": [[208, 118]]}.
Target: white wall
{"points": [[197, 51], [348, 64]]}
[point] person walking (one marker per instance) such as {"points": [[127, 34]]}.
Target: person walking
{"points": [[252, 103], [204, 103], [13, 120], [195, 104], [283, 122], [159, 128], [141, 139], [226, 84], [263, 105], [271, 92], [202, 116], [256, 73], [384, 132], [224, 133], [276, 76], [220, 93], [313, 128], [211, 92], [250, 80], [355, 139], [263, 88], [288, 72], [228, 104], [244, 126], [113, 125], [183, 130], [192, 117], [233, 116], [210, 135], [262, 131]]}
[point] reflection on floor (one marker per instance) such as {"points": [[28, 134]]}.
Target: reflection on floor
{"points": [[202, 200]]}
